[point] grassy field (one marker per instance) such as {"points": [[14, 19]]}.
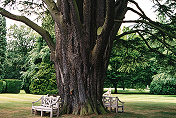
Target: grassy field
{"points": [[136, 106]]}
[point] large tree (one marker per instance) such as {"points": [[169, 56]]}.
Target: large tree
{"points": [[85, 31]]}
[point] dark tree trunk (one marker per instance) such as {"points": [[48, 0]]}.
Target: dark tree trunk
{"points": [[81, 56], [115, 87]]}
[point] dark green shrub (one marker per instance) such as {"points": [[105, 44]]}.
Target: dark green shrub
{"points": [[1, 86], [26, 76], [13, 85], [4, 87], [163, 84], [44, 80]]}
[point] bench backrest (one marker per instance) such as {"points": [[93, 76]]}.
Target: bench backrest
{"points": [[108, 100], [47, 101], [107, 93]]}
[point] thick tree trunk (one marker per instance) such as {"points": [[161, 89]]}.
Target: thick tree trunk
{"points": [[79, 80], [81, 56]]}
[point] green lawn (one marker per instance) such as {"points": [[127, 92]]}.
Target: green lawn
{"points": [[148, 106], [136, 106]]}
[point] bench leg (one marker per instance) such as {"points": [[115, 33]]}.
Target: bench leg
{"points": [[122, 109], [32, 111], [35, 111], [51, 114], [41, 113], [116, 109], [57, 113]]}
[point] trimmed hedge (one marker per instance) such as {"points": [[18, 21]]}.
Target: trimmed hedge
{"points": [[13, 85], [4, 87], [163, 84], [1, 86]]}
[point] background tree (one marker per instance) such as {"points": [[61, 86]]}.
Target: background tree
{"points": [[85, 31], [38, 66], [20, 41], [152, 41], [3, 44], [130, 65]]}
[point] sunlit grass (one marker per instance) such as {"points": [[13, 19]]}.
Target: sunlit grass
{"points": [[127, 91], [136, 106], [16, 105], [149, 106]]}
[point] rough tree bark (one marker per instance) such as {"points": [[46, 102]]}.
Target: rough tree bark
{"points": [[81, 56], [85, 31]]}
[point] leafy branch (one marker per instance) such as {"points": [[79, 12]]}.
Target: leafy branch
{"points": [[31, 24]]}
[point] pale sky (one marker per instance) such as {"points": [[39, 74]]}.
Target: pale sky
{"points": [[146, 5]]}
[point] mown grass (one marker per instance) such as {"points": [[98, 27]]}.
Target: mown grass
{"points": [[136, 106], [128, 91], [16, 105], [148, 106]]}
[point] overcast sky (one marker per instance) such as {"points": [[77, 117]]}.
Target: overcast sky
{"points": [[146, 5]]}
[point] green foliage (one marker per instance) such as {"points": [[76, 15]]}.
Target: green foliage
{"points": [[44, 80], [163, 84], [4, 87], [3, 44], [161, 43], [48, 24], [1, 86], [21, 41], [130, 65], [40, 55], [13, 85]]}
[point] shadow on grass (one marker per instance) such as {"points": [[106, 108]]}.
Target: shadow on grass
{"points": [[168, 113], [148, 115], [130, 93], [169, 95], [129, 115]]}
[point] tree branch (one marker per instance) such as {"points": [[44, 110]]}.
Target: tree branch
{"points": [[138, 13], [148, 23], [126, 33], [109, 19], [163, 42], [136, 31], [31, 24], [120, 11], [66, 10], [52, 7], [147, 43], [75, 15], [132, 1], [153, 50]]}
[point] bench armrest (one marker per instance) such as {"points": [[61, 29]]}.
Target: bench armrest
{"points": [[37, 100], [121, 101]]}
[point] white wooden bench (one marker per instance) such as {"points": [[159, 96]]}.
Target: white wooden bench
{"points": [[48, 104], [113, 103]]}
